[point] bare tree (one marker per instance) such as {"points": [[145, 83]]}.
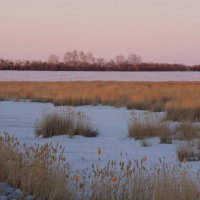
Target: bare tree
{"points": [[71, 57], [83, 57], [119, 59], [67, 58], [100, 61], [90, 58], [2, 62], [74, 57], [53, 59], [134, 59]]}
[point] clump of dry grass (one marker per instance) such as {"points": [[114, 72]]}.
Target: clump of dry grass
{"points": [[183, 114], [141, 129], [154, 105], [188, 151], [187, 131], [64, 122], [166, 136], [38, 170], [43, 172]]}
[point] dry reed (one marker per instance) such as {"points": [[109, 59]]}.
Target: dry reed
{"points": [[181, 100], [145, 128], [188, 151], [65, 121], [187, 131], [43, 172]]}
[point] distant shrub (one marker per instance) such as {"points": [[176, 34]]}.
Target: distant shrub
{"points": [[64, 122]]}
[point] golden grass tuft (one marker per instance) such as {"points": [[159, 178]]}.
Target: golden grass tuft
{"points": [[148, 128], [65, 121], [183, 114], [187, 131]]}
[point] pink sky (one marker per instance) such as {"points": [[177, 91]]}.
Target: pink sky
{"points": [[158, 30]]}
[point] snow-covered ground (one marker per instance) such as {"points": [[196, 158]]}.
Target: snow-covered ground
{"points": [[112, 123], [102, 76], [10, 193]]}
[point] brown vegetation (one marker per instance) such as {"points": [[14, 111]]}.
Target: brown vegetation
{"points": [[187, 131], [184, 114], [181, 100], [43, 172], [36, 171], [146, 128], [64, 121], [189, 151], [99, 66]]}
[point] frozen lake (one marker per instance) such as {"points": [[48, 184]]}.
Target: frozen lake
{"points": [[112, 123], [102, 76]]}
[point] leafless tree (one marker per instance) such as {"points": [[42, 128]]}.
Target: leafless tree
{"points": [[119, 59], [100, 61], [67, 58], [90, 58], [74, 57], [134, 59], [83, 57], [53, 59]]}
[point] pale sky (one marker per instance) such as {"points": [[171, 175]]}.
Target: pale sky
{"points": [[157, 30]]}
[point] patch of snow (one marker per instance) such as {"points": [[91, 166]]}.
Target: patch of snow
{"points": [[112, 123], [10, 193]]}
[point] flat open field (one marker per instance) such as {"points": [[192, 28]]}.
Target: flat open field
{"points": [[139, 95]]}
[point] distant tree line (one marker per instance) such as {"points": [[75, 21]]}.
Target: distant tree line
{"points": [[81, 61]]}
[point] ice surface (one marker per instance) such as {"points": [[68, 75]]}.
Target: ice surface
{"points": [[102, 76]]}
